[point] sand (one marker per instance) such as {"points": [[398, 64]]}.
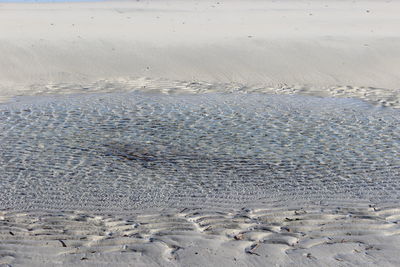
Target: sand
{"points": [[335, 48], [198, 133], [301, 234]]}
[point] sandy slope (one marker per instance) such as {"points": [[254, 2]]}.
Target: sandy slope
{"points": [[316, 45]]}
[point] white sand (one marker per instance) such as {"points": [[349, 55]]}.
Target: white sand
{"points": [[321, 48], [300, 234], [311, 47]]}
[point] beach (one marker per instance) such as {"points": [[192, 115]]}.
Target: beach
{"points": [[188, 133], [316, 47]]}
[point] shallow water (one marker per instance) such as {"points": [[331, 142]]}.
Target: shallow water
{"points": [[130, 150]]}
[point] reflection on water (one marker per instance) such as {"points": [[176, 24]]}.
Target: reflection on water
{"points": [[136, 149]]}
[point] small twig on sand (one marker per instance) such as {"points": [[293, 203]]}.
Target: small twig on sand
{"points": [[252, 249], [310, 256], [62, 243]]}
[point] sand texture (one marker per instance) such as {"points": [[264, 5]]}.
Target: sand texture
{"points": [[347, 48], [199, 133], [309, 234]]}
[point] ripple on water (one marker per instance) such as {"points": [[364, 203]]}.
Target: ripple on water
{"points": [[134, 149]]}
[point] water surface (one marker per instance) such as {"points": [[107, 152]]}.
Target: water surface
{"points": [[127, 150]]}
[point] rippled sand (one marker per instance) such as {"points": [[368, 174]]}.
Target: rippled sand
{"points": [[138, 150], [146, 174]]}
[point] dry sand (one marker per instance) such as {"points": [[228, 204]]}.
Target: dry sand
{"points": [[334, 48], [317, 48]]}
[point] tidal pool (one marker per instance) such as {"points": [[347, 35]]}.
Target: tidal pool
{"points": [[129, 150]]}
